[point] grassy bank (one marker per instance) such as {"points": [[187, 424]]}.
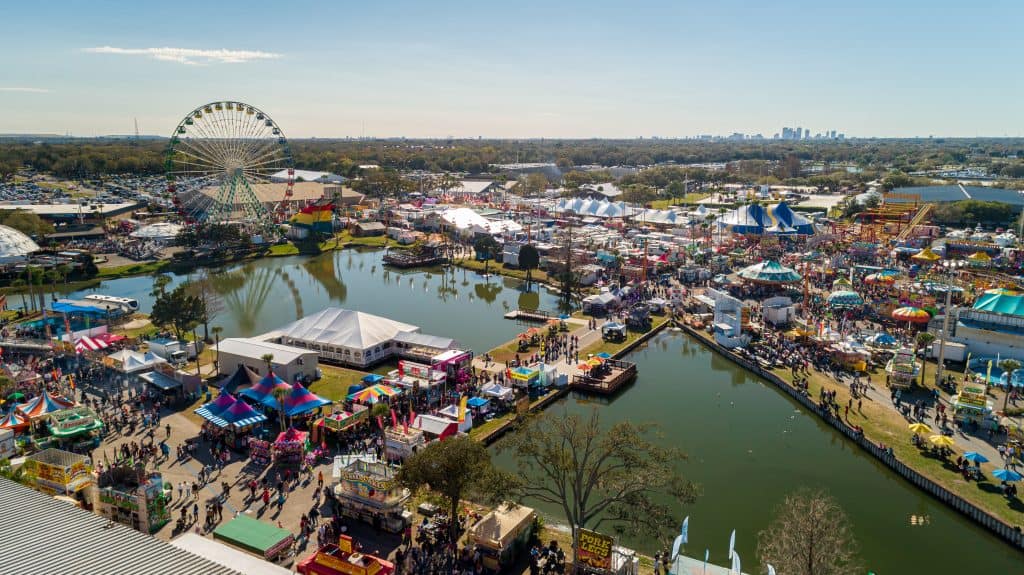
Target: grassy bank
{"points": [[500, 269], [883, 425]]}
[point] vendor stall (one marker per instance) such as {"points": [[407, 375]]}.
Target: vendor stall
{"points": [[368, 492], [374, 394], [231, 419], [255, 536], [59, 472], [902, 370], [78, 428], [343, 559], [290, 447], [402, 441], [972, 405], [524, 376], [132, 497], [44, 404], [502, 534]]}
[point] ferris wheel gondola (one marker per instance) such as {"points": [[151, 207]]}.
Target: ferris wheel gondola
{"points": [[219, 165]]}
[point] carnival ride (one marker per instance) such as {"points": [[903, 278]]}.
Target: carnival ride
{"points": [[218, 156]]}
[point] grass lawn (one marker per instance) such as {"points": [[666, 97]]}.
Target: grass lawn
{"points": [[882, 424], [146, 268], [631, 336], [335, 382], [500, 269], [691, 198], [340, 241], [488, 427]]}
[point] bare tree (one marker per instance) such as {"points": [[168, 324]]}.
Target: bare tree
{"points": [[598, 476], [810, 535]]}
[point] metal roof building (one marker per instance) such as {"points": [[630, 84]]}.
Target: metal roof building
{"points": [[57, 537]]}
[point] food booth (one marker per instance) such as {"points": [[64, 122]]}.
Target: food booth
{"points": [[418, 378], [455, 363], [78, 428], [343, 559], [402, 441], [525, 376], [972, 404], [502, 534], [367, 490], [58, 472], [902, 370]]}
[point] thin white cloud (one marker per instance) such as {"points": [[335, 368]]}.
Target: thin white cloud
{"points": [[24, 89], [190, 56]]}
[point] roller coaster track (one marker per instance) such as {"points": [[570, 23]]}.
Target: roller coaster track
{"points": [[922, 215]]}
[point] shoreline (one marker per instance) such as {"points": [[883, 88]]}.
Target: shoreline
{"points": [[1010, 534]]}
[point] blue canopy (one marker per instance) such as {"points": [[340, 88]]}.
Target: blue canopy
{"points": [[68, 307], [373, 378], [301, 400], [477, 402]]}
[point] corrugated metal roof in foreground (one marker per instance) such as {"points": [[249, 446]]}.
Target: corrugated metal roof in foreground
{"points": [[51, 536]]}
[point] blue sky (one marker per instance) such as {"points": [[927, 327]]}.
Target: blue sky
{"points": [[519, 69]]}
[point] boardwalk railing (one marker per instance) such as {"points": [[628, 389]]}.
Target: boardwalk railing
{"points": [[1009, 533]]}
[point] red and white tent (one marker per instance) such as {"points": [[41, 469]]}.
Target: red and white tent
{"points": [[86, 343]]}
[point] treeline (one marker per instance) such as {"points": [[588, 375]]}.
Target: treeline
{"points": [[87, 158], [971, 212]]}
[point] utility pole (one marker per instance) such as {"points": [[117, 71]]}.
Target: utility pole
{"points": [[942, 336]]}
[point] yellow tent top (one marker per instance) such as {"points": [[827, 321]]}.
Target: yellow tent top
{"points": [[926, 255], [979, 257]]}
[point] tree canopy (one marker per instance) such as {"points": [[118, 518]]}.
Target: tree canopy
{"points": [[529, 260], [455, 468], [616, 476], [177, 309], [810, 535]]}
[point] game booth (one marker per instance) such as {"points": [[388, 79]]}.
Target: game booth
{"points": [[367, 491], [231, 419], [290, 447], [338, 421], [255, 536], [133, 497], [343, 559]]}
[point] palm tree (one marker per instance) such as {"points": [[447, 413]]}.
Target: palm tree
{"points": [[1009, 366], [924, 339], [18, 284], [216, 338], [279, 393]]}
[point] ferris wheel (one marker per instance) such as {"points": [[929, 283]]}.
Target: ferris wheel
{"points": [[229, 162]]}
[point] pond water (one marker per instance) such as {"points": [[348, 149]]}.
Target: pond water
{"points": [[748, 444]]}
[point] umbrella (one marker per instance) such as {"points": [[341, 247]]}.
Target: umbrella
{"points": [[1006, 475], [879, 279], [920, 428], [16, 396], [563, 316], [941, 441], [603, 355], [374, 393], [975, 457], [584, 366], [911, 314]]}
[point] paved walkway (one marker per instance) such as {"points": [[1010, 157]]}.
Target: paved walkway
{"points": [[587, 338]]}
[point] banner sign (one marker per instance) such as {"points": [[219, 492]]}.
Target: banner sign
{"points": [[594, 550]]}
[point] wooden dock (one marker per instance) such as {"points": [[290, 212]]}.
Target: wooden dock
{"points": [[404, 259], [531, 315], [613, 374]]}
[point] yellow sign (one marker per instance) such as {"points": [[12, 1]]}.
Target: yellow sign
{"points": [[594, 549]]}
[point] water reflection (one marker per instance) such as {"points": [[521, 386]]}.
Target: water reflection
{"points": [[488, 292]]}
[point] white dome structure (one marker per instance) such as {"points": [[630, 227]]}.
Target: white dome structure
{"points": [[159, 232], [14, 245]]}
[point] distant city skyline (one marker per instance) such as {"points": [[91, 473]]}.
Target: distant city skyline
{"points": [[567, 69]]}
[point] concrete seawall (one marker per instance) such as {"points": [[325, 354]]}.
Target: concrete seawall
{"points": [[1006, 532]]}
